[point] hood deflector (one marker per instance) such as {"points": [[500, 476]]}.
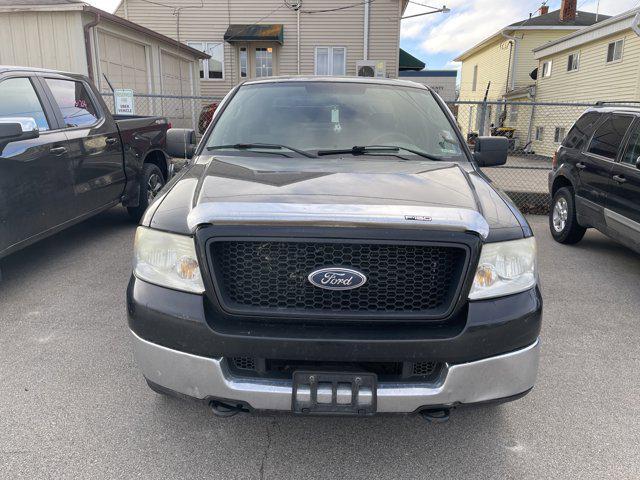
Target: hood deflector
{"points": [[338, 215]]}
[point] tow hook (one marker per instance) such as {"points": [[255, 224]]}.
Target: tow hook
{"points": [[221, 409], [438, 415]]}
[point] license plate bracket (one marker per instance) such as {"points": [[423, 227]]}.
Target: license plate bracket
{"points": [[334, 393]]}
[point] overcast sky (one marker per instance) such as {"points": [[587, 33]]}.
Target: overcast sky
{"points": [[437, 39]]}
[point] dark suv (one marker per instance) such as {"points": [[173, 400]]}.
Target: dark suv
{"points": [[595, 180]]}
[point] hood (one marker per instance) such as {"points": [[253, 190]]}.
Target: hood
{"points": [[350, 181]]}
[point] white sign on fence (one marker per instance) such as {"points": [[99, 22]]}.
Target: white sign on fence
{"points": [[124, 102]]}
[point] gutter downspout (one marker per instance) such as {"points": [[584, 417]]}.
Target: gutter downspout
{"points": [[635, 25], [298, 35], [87, 44], [367, 12], [513, 65]]}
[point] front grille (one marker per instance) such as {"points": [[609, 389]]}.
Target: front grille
{"points": [[423, 368], [244, 363], [278, 368], [272, 277]]}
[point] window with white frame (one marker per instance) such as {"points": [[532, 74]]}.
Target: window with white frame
{"points": [[213, 68], [539, 134], [573, 61], [546, 68], [614, 51], [513, 115], [559, 134], [331, 61]]}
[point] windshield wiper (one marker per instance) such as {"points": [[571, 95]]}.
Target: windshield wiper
{"points": [[266, 146], [361, 150]]}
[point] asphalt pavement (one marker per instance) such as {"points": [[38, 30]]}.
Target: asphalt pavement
{"points": [[73, 404]]}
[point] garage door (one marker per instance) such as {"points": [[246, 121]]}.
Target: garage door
{"points": [[124, 62], [177, 81]]}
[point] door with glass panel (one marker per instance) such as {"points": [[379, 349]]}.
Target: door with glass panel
{"points": [[257, 61]]}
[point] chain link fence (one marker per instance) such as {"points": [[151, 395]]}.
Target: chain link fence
{"points": [[535, 130], [181, 111]]}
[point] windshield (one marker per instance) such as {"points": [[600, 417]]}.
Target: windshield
{"points": [[324, 116]]}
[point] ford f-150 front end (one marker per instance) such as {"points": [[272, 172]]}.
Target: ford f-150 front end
{"points": [[342, 253]]}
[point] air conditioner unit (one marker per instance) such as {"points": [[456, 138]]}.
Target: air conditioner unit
{"points": [[371, 68]]}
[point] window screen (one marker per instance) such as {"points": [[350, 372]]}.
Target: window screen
{"points": [[614, 51], [19, 99], [74, 101], [608, 137]]}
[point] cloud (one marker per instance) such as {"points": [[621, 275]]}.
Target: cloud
{"points": [[106, 5]]}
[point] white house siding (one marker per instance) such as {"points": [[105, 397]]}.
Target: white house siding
{"points": [[493, 65], [526, 62], [593, 81], [493, 61], [43, 39], [341, 28]]}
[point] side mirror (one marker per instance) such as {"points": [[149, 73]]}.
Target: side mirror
{"points": [[638, 163], [16, 129], [491, 151], [181, 142]]}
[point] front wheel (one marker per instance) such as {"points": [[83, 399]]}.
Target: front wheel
{"points": [[151, 182], [562, 218]]}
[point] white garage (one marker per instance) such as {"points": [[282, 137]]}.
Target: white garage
{"points": [[177, 80], [112, 51], [124, 62]]}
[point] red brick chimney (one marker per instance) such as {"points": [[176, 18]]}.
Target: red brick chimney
{"points": [[544, 9], [568, 10]]}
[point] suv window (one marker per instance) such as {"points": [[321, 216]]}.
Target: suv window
{"points": [[581, 132], [74, 101], [18, 98], [633, 148], [609, 135]]}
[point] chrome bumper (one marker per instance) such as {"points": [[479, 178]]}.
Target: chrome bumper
{"points": [[200, 377]]}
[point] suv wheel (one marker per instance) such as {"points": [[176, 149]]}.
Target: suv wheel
{"points": [[151, 182], [562, 218]]}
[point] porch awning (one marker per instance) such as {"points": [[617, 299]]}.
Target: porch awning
{"points": [[255, 33], [409, 62]]}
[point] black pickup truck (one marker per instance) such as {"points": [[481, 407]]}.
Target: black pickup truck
{"points": [[334, 248], [64, 157]]}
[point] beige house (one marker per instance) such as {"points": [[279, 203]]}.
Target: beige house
{"points": [[597, 63], [250, 39], [72, 36], [501, 68]]}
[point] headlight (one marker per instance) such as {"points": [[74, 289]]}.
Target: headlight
{"points": [[167, 259], [505, 268]]}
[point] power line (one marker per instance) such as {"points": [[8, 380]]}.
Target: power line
{"points": [[345, 7]]}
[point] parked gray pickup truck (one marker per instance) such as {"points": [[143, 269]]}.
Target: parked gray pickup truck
{"points": [[64, 157], [333, 248]]}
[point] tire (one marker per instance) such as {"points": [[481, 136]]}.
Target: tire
{"points": [[563, 223], [151, 182]]}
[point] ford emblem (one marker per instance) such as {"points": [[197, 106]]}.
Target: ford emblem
{"points": [[337, 278]]}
